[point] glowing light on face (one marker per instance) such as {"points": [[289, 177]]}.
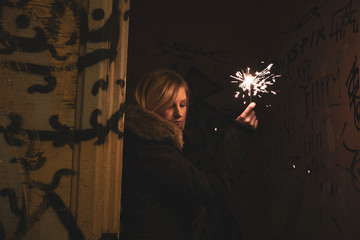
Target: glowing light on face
{"points": [[176, 110], [254, 84]]}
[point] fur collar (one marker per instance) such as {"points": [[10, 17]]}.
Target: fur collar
{"points": [[150, 126]]}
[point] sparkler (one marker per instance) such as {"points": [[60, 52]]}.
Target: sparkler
{"points": [[254, 84]]}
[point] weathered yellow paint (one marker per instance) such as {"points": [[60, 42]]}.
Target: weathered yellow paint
{"points": [[46, 35]]}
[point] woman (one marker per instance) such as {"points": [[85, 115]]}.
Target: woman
{"points": [[161, 188]]}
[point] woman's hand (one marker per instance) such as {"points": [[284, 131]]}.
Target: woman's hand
{"points": [[248, 118]]}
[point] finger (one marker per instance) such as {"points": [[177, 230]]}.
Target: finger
{"points": [[250, 116], [252, 120], [256, 124], [249, 108], [245, 116]]}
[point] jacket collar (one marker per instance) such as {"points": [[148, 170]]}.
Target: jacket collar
{"points": [[151, 127]]}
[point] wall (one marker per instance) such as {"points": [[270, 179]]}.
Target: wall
{"points": [[312, 142], [301, 180], [62, 90]]}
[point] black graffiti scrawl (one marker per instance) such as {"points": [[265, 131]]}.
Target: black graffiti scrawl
{"points": [[354, 169], [44, 34], [352, 84], [62, 134], [41, 36], [109, 32]]}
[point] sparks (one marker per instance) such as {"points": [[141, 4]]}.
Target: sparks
{"points": [[254, 84]]}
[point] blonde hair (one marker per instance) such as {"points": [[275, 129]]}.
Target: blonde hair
{"points": [[158, 88]]}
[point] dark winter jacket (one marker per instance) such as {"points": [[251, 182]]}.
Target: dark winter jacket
{"points": [[160, 187]]}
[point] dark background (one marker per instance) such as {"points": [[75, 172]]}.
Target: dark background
{"points": [[300, 182]]}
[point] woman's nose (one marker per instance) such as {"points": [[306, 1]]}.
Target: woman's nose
{"points": [[177, 112]]}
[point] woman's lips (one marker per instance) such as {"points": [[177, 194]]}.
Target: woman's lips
{"points": [[178, 123]]}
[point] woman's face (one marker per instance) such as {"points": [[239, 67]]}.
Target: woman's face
{"points": [[176, 111]]}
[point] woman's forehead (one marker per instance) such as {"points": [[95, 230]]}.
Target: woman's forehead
{"points": [[178, 96], [181, 91]]}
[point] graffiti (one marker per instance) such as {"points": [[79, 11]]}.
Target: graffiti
{"points": [[34, 69], [37, 44], [337, 225], [321, 93], [31, 162], [53, 200], [50, 199], [354, 169], [19, 212], [11, 195], [64, 135], [313, 144], [343, 129], [309, 14], [126, 14], [120, 82], [51, 84], [283, 144], [104, 34], [54, 183], [188, 51], [12, 130], [330, 188], [341, 19], [43, 35], [103, 84], [304, 71], [352, 84], [298, 49], [50, 28], [111, 124], [319, 35]]}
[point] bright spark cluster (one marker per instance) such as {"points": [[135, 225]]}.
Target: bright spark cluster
{"points": [[254, 84]]}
